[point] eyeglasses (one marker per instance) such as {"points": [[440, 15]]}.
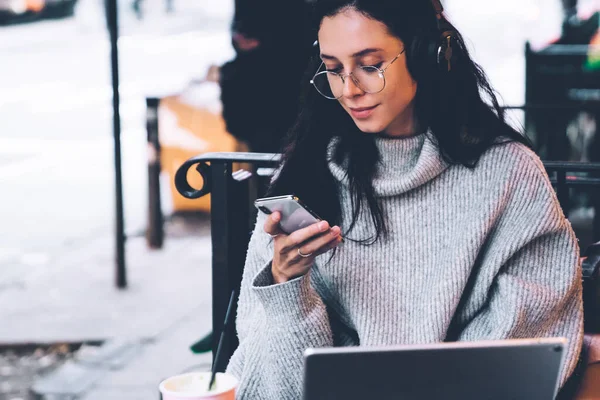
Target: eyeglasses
{"points": [[369, 79]]}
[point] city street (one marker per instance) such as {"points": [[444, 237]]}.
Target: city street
{"points": [[56, 144]]}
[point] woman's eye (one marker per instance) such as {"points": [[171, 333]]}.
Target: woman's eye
{"points": [[336, 70], [378, 65], [371, 69]]}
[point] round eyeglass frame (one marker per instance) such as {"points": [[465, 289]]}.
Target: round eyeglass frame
{"points": [[351, 75]]}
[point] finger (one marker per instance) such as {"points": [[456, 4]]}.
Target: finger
{"points": [[315, 245], [300, 236], [330, 246], [271, 226]]}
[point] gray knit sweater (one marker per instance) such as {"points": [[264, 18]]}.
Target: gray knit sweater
{"points": [[472, 254]]}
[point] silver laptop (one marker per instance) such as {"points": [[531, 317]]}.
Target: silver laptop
{"points": [[514, 369]]}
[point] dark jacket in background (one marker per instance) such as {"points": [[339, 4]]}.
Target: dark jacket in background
{"points": [[260, 88]]}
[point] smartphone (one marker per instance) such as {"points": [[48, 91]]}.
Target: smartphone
{"points": [[294, 214]]}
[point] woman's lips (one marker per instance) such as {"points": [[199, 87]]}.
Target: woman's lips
{"points": [[362, 112]]}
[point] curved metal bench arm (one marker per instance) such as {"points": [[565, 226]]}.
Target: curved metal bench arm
{"points": [[562, 180], [202, 166]]}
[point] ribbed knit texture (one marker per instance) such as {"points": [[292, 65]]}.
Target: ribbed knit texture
{"points": [[472, 254]]}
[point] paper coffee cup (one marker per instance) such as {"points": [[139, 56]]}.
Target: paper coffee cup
{"points": [[194, 386]]}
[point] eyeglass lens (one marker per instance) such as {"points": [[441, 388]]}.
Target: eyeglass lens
{"points": [[331, 85]]}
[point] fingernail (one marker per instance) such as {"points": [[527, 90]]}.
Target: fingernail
{"points": [[335, 230], [323, 225], [276, 217]]}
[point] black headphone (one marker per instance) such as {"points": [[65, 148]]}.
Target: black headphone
{"points": [[445, 51]]}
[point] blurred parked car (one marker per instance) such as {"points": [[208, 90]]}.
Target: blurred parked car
{"points": [[18, 10]]}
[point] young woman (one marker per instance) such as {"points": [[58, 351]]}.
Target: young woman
{"points": [[451, 228]]}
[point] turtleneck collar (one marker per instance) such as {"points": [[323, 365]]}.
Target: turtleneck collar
{"points": [[405, 164]]}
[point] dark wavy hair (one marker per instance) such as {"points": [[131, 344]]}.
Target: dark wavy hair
{"points": [[459, 109]]}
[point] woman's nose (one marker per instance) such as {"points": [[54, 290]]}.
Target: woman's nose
{"points": [[351, 88]]}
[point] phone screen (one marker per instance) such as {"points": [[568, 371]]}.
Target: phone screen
{"points": [[294, 215]]}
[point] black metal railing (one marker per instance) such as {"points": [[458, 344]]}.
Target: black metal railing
{"points": [[567, 175], [232, 219], [233, 214]]}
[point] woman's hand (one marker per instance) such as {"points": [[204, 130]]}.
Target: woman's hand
{"points": [[296, 252]]}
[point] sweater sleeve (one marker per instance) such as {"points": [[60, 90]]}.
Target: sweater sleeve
{"points": [[537, 289], [275, 324]]}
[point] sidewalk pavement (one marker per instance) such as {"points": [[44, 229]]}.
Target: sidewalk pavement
{"points": [[146, 329]]}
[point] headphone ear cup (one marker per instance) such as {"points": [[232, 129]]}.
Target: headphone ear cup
{"points": [[447, 52]]}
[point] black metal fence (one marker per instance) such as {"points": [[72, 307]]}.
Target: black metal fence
{"points": [[569, 176], [232, 220], [562, 96]]}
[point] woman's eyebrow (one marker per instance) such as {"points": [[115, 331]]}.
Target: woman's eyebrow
{"points": [[358, 54]]}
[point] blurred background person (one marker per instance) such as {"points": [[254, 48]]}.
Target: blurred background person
{"points": [[260, 87], [574, 29]]}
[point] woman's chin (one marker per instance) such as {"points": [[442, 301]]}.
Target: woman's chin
{"points": [[369, 127]]}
